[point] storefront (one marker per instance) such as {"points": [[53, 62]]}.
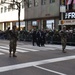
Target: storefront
{"points": [[68, 20]]}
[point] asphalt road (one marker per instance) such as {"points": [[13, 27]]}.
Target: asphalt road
{"points": [[34, 60]]}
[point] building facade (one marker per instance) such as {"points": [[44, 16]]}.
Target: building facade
{"points": [[40, 13], [9, 14]]}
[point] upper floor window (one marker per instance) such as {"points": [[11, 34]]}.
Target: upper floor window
{"points": [[29, 3], [9, 8], [35, 3], [1, 9], [22, 4], [52, 1], [2, 1], [43, 2], [5, 8]]}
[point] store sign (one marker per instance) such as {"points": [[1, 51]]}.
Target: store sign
{"points": [[67, 22], [69, 15]]}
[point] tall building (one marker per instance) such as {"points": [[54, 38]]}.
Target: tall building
{"points": [[42, 14], [38, 14], [9, 14]]}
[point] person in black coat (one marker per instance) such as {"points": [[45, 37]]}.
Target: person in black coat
{"points": [[34, 37], [38, 37], [42, 38]]}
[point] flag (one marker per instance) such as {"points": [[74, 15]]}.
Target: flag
{"points": [[73, 1], [68, 2]]}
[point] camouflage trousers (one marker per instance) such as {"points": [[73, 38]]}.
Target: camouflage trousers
{"points": [[63, 42], [12, 45]]}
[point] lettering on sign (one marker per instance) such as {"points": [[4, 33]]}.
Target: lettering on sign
{"points": [[70, 15], [68, 22]]}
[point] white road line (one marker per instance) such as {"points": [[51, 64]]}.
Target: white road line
{"points": [[50, 70], [22, 51], [18, 50], [28, 49], [35, 63], [7, 47], [5, 51], [59, 46], [1, 53]]}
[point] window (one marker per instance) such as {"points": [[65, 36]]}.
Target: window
{"points": [[35, 3], [5, 8], [52, 1], [43, 2], [29, 3], [1, 9], [34, 23], [2, 1], [9, 8], [50, 24], [22, 4]]}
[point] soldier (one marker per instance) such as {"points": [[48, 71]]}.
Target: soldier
{"points": [[13, 41], [63, 35]]}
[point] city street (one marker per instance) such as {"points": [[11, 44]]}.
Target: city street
{"points": [[34, 60]]}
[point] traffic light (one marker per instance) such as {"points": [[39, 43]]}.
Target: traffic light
{"points": [[62, 21]]}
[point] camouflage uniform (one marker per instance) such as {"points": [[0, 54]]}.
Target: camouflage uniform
{"points": [[13, 41], [63, 35]]}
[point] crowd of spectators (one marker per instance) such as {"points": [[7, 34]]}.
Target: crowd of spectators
{"points": [[51, 36]]}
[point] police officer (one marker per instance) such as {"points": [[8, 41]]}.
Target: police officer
{"points": [[63, 35], [13, 41]]}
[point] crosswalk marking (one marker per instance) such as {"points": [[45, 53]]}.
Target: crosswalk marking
{"points": [[5, 51], [1, 53], [27, 49], [30, 48], [21, 51]]}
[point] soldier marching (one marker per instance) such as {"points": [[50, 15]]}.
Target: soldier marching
{"points": [[63, 35]]}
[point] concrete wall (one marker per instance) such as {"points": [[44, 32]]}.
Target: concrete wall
{"points": [[47, 10]]}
